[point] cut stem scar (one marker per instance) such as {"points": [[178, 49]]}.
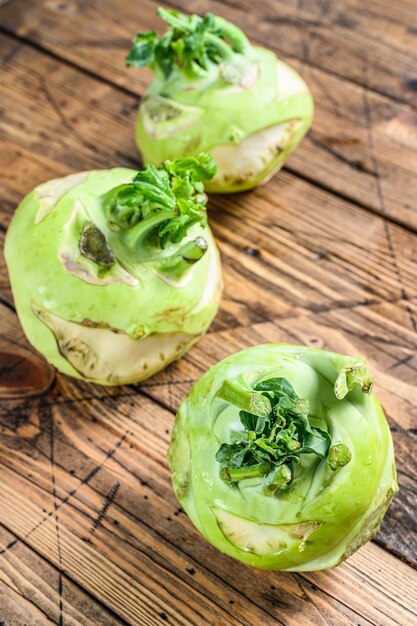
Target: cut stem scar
{"points": [[93, 245], [278, 478], [339, 456], [354, 376]]}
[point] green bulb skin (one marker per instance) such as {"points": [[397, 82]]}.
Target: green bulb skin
{"points": [[344, 507], [228, 114], [148, 306]]}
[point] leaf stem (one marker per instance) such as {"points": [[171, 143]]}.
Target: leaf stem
{"points": [[232, 33], [244, 398], [181, 261], [242, 473], [135, 236], [221, 46]]}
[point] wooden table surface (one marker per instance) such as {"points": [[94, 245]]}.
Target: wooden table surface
{"points": [[324, 255]]}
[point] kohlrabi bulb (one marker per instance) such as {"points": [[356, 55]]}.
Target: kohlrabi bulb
{"points": [[213, 90], [282, 457], [115, 273]]}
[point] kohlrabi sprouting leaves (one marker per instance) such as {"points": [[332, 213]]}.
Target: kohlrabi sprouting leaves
{"points": [[191, 45], [120, 274], [282, 457], [170, 198], [210, 85], [272, 440]]}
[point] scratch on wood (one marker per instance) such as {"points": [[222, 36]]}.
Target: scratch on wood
{"points": [[327, 92], [98, 398], [106, 504], [9, 56], [404, 361], [324, 9], [326, 592], [356, 165], [406, 431], [8, 547], [64, 500]]}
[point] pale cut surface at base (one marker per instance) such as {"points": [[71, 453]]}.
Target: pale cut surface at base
{"points": [[253, 158], [113, 358]]}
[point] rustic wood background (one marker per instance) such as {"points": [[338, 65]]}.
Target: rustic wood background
{"points": [[324, 255]]}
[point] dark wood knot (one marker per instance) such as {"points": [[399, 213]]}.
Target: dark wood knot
{"points": [[23, 374]]}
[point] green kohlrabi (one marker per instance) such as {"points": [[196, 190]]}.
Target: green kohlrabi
{"points": [[115, 273], [282, 457], [213, 90]]}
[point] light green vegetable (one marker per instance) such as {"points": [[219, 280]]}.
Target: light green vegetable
{"points": [[115, 273], [282, 457], [213, 90]]}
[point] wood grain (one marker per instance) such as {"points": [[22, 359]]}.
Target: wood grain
{"points": [[338, 36], [34, 593], [362, 143]]}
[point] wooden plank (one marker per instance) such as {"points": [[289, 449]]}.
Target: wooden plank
{"points": [[339, 38], [362, 144], [83, 477], [34, 593], [104, 511]]}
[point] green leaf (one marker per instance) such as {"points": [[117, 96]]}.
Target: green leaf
{"points": [[175, 186], [232, 455], [196, 168], [280, 386], [278, 438], [248, 420], [142, 52], [191, 44], [318, 442]]}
